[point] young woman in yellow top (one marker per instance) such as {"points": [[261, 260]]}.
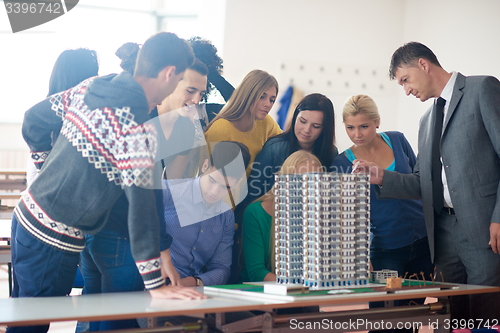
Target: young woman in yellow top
{"points": [[245, 118]]}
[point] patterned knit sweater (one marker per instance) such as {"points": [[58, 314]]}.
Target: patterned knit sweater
{"points": [[105, 148]]}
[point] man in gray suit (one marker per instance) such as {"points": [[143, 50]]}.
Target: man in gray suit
{"points": [[457, 175]]}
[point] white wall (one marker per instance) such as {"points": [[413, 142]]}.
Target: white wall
{"points": [[331, 33], [464, 36], [360, 34], [351, 35], [13, 149]]}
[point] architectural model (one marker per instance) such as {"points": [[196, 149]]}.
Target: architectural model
{"points": [[383, 275], [322, 229]]}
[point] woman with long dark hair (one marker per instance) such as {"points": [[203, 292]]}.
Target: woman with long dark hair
{"points": [[312, 129], [71, 67]]}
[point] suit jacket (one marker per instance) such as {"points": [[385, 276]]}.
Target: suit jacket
{"points": [[470, 150]]}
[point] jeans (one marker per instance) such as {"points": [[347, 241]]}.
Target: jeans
{"points": [[39, 270], [108, 266], [458, 260], [408, 260]]}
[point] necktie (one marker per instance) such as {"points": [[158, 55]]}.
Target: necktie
{"points": [[437, 182]]}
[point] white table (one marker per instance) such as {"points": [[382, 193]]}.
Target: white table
{"points": [[5, 215], [5, 225], [34, 311]]}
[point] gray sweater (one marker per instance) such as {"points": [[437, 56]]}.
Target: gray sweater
{"points": [[105, 149]]}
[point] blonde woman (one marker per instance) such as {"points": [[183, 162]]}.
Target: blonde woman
{"points": [[258, 223], [245, 118]]}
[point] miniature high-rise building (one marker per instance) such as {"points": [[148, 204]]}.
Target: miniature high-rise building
{"points": [[322, 229]]}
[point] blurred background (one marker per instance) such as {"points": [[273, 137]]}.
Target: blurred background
{"points": [[335, 47]]}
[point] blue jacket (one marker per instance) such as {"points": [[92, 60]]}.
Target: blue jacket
{"points": [[267, 163], [394, 223]]}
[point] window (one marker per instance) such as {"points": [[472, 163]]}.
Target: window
{"points": [[28, 56]]}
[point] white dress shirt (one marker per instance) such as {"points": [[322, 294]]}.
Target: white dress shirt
{"points": [[447, 94]]}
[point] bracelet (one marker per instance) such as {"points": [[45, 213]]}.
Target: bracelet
{"points": [[199, 282]]}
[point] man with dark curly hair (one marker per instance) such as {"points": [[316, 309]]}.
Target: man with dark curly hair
{"points": [[206, 52]]}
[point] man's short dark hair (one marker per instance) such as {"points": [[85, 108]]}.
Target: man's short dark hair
{"points": [[408, 54], [225, 152], [162, 50], [199, 67]]}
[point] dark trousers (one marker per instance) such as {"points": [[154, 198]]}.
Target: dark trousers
{"points": [[459, 261], [39, 270], [408, 260], [107, 267]]}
